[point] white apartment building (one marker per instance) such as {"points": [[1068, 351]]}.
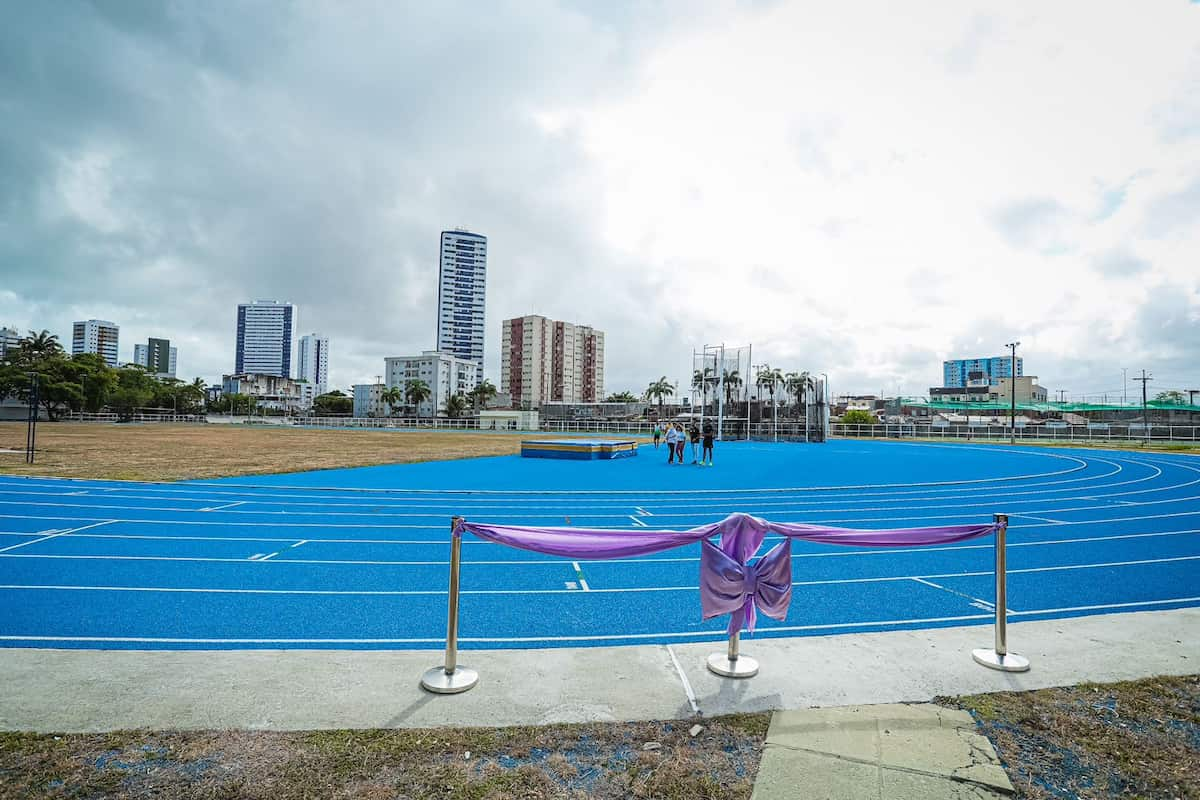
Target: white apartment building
{"points": [[270, 391], [462, 289], [312, 361], [368, 400], [445, 375], [96, 336], [544, 360], [264, 338], [10, 339]]}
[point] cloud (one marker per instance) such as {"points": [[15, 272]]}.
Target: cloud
{"points": [[674, 174], [1119, 262]]}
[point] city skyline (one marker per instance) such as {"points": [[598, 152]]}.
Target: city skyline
{"points": [[979, 175]]}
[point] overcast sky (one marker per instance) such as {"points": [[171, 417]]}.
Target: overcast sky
{"points": [[862, 189]]}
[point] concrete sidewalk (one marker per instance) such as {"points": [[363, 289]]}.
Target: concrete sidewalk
{"points": [[885, 751], [90, 690]]}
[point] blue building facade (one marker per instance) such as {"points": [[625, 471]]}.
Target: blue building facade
{"points": [[962, 371], [264, 338], [462, 293]]}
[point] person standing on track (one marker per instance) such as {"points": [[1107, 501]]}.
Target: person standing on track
{"points": [[694, 438], [680, 441], [672, 438], [707, 453], [657, 433]]}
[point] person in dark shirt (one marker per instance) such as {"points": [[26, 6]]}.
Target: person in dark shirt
{"points": [[706, 455], [694, 438]]}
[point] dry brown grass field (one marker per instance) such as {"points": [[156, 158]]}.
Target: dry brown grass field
{"points": [[157, 452]]}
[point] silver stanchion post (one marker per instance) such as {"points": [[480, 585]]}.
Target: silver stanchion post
{"points": [[998, 657], [450, 678], [732, 664]]}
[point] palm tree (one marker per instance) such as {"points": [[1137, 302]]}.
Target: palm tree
{"points": [[456, 404], [659, 389], [769, 378], [39, 345], [416, 391], [482, 394], [621, 397], [732, 382], [797, 384], [393, 396]]}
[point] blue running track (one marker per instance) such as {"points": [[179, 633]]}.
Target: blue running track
{"points": [[358, 558]]}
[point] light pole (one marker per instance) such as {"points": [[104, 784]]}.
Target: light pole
{"points": [[1012, 391], [823, 403]]}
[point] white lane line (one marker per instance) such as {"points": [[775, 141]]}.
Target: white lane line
{"points": [[642, 511], [975, 601], [214, 508], [302, 541], [255, 557], [637, 522], [715, 634], [54, 535], [583, 584], [571, 584], [269, 555], [1039, 519], [527, 561], [687, 686], [624, 590]]}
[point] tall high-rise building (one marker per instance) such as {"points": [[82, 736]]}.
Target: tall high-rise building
{"points": [[96, 336], [264, 338], [10, 339], [979, 371], [546, 360], [157, 356], [462, 288], [312, 361]]}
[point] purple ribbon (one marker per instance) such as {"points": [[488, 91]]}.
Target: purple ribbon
{"points": [[729, 582]]}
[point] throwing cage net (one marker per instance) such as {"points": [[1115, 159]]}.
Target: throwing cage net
{"points": [[727, 392]]}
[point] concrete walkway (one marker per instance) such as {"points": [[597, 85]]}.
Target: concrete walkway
{"points": [[885, 751], [90, 690]]}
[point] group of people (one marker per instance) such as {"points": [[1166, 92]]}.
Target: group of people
{"points": [[677, 436]]}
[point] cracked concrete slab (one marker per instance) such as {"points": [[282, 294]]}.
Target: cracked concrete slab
{"points": [[888, 751]]}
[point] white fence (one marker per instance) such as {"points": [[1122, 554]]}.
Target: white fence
{"points": [[109, 416], [1095, 432]]}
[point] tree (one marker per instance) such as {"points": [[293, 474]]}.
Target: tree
{"points": [[859, 416], [335, 403], [483, 394], [732, 381], [659, 389], [41, 344], [416, 391], [134, 389], [622, 397], [1171, 396], [393, 396], [61, 378], [769, 378], [456, 404], [797, 385]]}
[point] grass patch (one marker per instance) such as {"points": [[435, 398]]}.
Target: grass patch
{"points": [[1128, 739], [165, 452], [593, 760]]}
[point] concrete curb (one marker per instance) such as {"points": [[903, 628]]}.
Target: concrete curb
{"points": [[99, 690]]}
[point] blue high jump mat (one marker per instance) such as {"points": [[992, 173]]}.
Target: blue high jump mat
{"points": [[581, 449]]}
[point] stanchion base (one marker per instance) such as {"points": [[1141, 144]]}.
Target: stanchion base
{"points": [[1010, 662], [437, 681], [743, 667]]}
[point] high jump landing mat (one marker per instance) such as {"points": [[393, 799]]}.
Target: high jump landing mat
{"points": [[584, 449]]}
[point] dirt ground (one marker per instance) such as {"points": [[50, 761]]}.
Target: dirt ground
{"points": [[164, 452]]}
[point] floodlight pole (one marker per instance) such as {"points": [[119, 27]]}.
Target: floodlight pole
{"points": [[1012, 390], [721, 393], [746, 383], [31, 426]]}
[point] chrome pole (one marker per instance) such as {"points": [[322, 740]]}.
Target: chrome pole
{"points": [[731, 664], [451, 678], [998, 657]]}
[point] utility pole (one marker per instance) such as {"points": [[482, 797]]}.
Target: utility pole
{"points": [[1124, 386], [31, 426], [1012, 391], [1145, 419]]}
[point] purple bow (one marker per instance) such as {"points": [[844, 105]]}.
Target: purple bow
{"points": [[730, 587]]}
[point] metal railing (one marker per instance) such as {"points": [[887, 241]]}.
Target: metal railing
{"points": [[1096, 432]]}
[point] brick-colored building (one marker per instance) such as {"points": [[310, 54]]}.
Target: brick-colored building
{"points": [[545, 360]]}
